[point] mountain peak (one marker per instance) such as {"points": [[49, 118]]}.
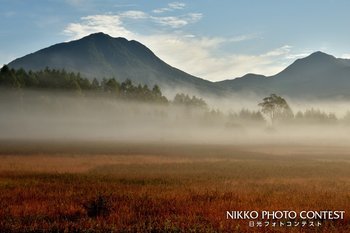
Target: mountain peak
{"points": [[320, 55], [102, 38], [315, 62], [98, 34], [99, 55], [316, 59], [252, 75]]}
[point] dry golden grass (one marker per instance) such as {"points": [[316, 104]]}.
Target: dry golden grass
{"points": [[53, 187]]}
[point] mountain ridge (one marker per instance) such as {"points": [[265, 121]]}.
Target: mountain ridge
{"points": [[99, 55], [318, 75]]}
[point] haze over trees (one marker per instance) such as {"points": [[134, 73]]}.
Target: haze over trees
{"points": [[186, 100], [273, 108]]}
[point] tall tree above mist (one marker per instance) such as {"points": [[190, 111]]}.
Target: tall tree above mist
{"points": [[276, 108]]}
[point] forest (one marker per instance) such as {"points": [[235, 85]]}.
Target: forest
{"points": [[52, 79], [274, 109]]}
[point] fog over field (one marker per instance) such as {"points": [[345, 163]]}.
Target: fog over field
{"points": [[66, 116]]}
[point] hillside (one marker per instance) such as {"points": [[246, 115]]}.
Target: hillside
{"points": [[317, 76], [101, 56]]}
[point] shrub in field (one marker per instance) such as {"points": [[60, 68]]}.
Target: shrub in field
{"points": [[98, 206]]}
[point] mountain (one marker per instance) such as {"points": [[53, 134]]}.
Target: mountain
{"points": [[248, 82], [99, 55], [317, 76]]}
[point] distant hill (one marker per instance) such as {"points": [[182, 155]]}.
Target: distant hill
{"points": [[248, 83], [317, 76], [99, 55]]}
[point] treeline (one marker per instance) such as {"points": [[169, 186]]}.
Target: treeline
{"points": [[277, 111], [274, 108], [315, 116], [68, 81], [53, 79]]}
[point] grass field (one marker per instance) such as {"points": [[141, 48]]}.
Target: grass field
{"points": [[120, 187]]}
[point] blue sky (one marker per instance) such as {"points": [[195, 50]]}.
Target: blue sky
{"points": [[212, 39]]}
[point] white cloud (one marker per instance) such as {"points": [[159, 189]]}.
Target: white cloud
{"points": [[161, 10], [135, 15], [110, 24], [279, 51], [171, 7], [197, 55], [242, 38], [298, 55], [177, 22], [177, 5], [173, 22], [194, 17]]}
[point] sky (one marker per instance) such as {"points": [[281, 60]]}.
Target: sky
{"points": [[211, 39]]}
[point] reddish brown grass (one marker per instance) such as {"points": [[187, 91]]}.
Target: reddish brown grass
{"points": [[168, 188]]}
